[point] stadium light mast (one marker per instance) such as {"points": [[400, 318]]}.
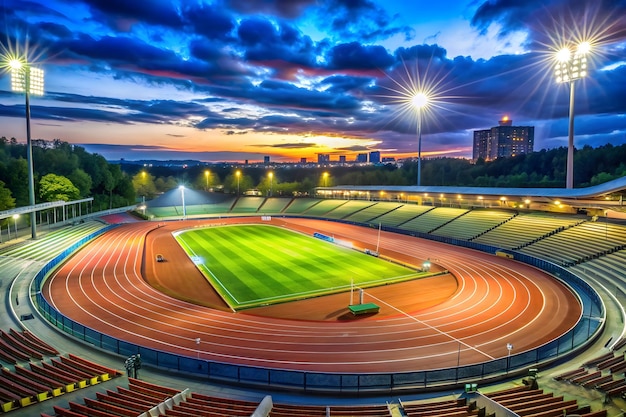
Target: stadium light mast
{"points": [[271, 175], [29, 80], [182, 196], [419, 101], [571, 66]]}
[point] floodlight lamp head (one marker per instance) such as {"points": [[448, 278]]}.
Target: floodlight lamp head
{"points": [[16, 64], [181, 187], [419, 100], [583, 48], [563, 55]]}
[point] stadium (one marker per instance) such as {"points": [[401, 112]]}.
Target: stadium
{"points": [[377, 301]]}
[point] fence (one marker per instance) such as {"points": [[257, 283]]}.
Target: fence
{"points": [[584, 332]]}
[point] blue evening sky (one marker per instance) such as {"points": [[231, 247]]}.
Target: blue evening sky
{"points": [[228, 80]]}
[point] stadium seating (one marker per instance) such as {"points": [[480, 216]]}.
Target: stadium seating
{"points": [[300, 205], [528, 402], [247, 205], [592, 240], [432, 219], [348, 209], [274, 205], [402, 215], [49, 375], [526, 228], [370, 213], [474, 223]]}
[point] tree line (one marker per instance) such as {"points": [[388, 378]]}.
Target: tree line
{"points": [[61, 172], [542, 169]]}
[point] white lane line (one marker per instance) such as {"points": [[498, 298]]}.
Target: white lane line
{"points": [[431, 327]]}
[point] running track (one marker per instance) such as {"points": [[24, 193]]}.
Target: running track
{"points": [[498, 301]]}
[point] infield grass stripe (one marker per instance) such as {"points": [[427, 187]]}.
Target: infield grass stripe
{"points": [[239, 267], [189, 245]]}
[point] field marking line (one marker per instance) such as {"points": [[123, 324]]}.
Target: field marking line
{"points": [[188, 250], [431, 327]]}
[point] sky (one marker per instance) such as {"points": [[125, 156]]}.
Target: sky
{"points": [[234, 80]]}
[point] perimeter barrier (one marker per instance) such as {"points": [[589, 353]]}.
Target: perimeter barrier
{"points": [[583, 333]]}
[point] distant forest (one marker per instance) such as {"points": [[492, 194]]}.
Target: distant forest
{"points": [[67, 172]]}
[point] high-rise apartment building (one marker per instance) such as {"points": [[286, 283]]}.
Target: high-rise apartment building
{"points": [[503, 140], [323, 158], [375, 157]]}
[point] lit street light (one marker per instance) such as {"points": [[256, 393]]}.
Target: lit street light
{"points": [[238, 175], [571, 66], [15, 217], [419, 101], [206, 175], [28, 80], [325, 175], [182, 196]]}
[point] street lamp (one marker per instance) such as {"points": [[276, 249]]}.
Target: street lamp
{"points": [[271, 175], [325, 175], [238, 175], [28, 80], [182, 196], [571, 66], [206, 175], [419, 101], [15, 217]]}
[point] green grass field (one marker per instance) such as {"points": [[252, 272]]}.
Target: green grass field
{"points": [[254, 265]]}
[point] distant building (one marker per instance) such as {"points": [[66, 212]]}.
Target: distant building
{"points": [[361, 158], [388, 159], [504, 140], [266, 160], [342, 159], [375, 157], [323, 158], [303, 160]]}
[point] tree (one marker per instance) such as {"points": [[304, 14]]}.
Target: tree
{"points": [[82, 181], [6, 200], [54, 187], [144, 185]]}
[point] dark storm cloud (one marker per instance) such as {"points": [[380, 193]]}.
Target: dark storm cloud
{"points": [[555, 20], [263, 41], [122, 14], [209, 20], [282, 8], [359, 19], [340, 84], [353, 55]]}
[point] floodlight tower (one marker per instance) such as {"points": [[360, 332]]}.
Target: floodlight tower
{"points": [[419, 101], [29, 80], [571, 66], [271, 175], [182, 197]]}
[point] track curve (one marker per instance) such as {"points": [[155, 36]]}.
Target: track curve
{"points": [[498, 301]]}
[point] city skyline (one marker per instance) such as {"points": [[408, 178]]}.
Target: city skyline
{"points": [[235, 80]]}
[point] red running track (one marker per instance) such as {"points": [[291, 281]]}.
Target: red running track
{"points": [[498, 301]]}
